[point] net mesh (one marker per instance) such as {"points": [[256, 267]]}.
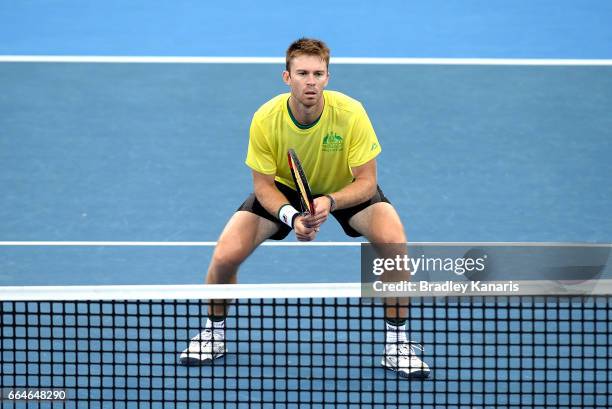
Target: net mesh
{"points": [[311, 352]]}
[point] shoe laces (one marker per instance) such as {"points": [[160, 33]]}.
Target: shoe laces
{"points": [[407, 348], [208, 335]]}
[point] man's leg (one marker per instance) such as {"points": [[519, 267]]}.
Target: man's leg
{"points": [[381, 225], [243, 233]]}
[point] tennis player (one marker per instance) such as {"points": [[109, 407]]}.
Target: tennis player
{"points": [[337, 145]]}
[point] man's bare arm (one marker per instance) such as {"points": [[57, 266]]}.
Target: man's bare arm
{"points": [[267, 193], [362, 189], [272, 199]]}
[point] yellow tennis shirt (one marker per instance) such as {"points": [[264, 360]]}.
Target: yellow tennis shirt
{"points": [[341, 139]]}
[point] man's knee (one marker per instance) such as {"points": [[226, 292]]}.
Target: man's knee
{"points": [[388, 235], [228, 258], [242, 234]]}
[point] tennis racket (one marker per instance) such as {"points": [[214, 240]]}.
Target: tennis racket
{"points": [[301, 183]]}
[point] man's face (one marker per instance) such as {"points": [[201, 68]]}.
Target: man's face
{"points": [[307, 78]]}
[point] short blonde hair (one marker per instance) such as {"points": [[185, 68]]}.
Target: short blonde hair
{"points": [[307, 46]]}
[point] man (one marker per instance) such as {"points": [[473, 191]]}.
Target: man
{"points": [[337, 145]]}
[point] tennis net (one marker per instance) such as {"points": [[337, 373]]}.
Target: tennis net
{"points": [[301, 346]]}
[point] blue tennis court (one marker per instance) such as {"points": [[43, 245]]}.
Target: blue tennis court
{"points": [[119, 169]]}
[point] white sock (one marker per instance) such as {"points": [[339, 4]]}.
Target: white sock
{"points": [[396, 334]]}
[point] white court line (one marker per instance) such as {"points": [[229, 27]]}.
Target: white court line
{"points": [[281, 60], [281, 244]]}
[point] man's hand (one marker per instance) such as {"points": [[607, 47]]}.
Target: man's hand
{"points": [[310, 224], [303, 230], [322, 206]]}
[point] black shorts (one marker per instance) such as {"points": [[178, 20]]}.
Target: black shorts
{"points": [[251, 204]]}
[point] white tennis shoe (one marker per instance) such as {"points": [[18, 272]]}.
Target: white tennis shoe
{"points": [[401, 358], [204, 348]]}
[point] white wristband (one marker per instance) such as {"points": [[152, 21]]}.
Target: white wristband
{"points": [[287, 214]]}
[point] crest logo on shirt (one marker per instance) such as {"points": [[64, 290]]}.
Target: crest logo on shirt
{"points": [[332, 142]]}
